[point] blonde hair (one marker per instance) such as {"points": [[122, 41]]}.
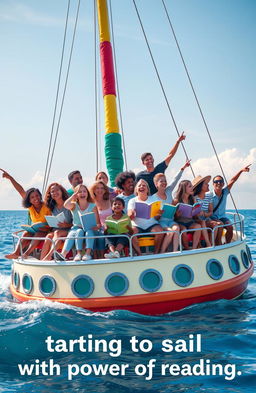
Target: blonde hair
{"points": [[136, 187], [157, 177], [106, 193]]}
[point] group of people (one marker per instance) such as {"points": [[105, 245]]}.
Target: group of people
{"points": [[111, 205]]}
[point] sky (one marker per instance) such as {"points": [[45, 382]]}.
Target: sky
{"points": [[217, 39]]}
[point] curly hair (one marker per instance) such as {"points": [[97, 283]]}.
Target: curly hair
{"points": [[122, 177], [26, 200], [49, 201], [106, 193]]}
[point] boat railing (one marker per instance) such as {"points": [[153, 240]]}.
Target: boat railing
{"points": [[237, 222]]}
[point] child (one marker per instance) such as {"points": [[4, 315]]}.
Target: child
{"points": [[116, 244]]}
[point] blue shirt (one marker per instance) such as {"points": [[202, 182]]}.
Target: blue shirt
{"points": [[221, 211]]}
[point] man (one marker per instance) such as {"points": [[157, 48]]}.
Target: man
{"points": [[125, 181], [75, 178], [151, 170], [220, 195]]}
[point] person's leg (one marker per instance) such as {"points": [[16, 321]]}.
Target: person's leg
{"points": [[158, 238], [185, 241], [21, 244], [57, 234], [89, 243], [34, 243], [196, 234], [205, 233], [47, 245], [229, 231], [135, 241]]}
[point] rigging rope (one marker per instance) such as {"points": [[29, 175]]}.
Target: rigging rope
{"points": [[56, 99], [64, 92], [160, 82], [197, 101], [117, 85], [96, 90]]}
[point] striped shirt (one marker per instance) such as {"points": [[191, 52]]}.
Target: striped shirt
{"points": [[205, 202]]}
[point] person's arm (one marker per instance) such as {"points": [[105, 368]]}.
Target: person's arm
{"points": [[173, 151], [178, 176], [235, 178], [15, 184], [70, 203]]}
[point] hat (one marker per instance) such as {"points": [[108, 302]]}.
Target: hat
{"points": [[199, 179]]}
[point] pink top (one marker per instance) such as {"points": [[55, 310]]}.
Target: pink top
{"points": [[104, 214]]}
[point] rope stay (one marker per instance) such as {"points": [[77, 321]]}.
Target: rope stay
{"points": [[56, 99], [160, 82], [64, 94], [196, 99], [117, 84]]}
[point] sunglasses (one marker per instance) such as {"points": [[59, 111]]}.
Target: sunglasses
{"points": [[218, 181]]}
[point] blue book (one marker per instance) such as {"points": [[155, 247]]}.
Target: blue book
{"points": [[33, 228], [88, 220]]}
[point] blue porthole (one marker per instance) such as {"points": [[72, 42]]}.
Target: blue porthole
{"points": [[245, 259], [183, 275], [150, 280], [82, 286], [27, 283], [234, 264], [249, 253], [116, 284], [214, 268], [15, 279], [47, 285]]}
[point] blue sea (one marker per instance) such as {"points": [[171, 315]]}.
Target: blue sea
{"points": [[227, 330]]}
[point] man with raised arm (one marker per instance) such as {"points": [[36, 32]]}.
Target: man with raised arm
{"points": [[151, 170], [219, 195]]}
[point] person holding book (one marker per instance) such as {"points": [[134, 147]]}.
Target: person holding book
{"points": [[151, 170], [102, 176], [125, 181], [144, 225], [219, 198], [55, 197], [117, 223], [184, 195], [80, 202], [75, 178]]}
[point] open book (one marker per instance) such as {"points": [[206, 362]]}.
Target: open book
{"points": [[53, 221], [189, 211], [116, 227], [88, 220], [33, 228], [168, 211], [147, 210]]}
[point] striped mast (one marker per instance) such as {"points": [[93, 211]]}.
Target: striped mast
{"points": [[113, 140]]}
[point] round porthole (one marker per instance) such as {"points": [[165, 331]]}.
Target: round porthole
{"points": [[234, 264], [249, 253], [47, 285], [183, 275], [214, 269], [15, 279], [82, 286], [245, 259], [116, 284], [27, 283], [150, 280]]}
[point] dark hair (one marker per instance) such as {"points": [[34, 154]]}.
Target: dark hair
{"points": [[26, 200], [118, 199], [181, 191], [144, 155], [198, 188], [49, 201], [217, 176], [71, 174], [122, 177], [100, 173]]}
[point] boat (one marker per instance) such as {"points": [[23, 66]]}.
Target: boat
{"points": [[148, 284]]}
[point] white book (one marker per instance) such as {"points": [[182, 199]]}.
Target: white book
{"points": [[53, 221]]}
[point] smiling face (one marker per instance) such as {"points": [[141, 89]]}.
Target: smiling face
{"points": [[218, 184], [76, 179], [56, 192], [102, 177], [35, 199], [149, 161], [161, 183], [82, 193], [189, 189], [128, 186], [99, 190], [117, 207], [205, 186], [142, 188]]}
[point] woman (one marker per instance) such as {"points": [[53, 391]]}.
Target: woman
{"points": [[143, 225], [184, 194], [55, 197], [80, 202], [102, 176], [202, 195]]}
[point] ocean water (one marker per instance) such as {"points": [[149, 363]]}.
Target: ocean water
{"points": [[227, 330]]}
